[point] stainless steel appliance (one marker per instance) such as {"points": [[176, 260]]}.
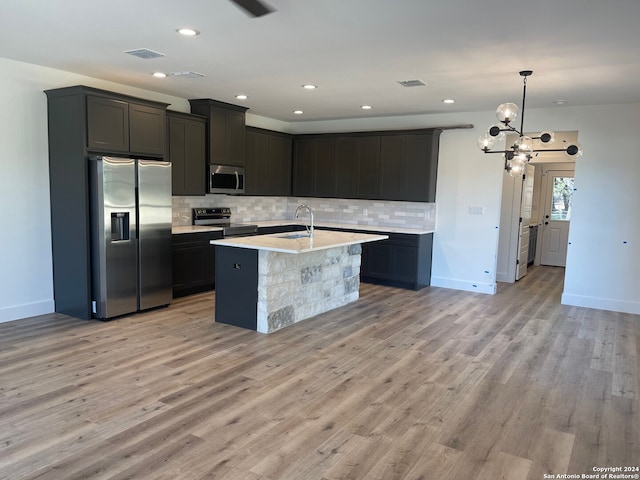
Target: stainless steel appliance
{"points": [[130, 235], [226, 179], [222, 217]]}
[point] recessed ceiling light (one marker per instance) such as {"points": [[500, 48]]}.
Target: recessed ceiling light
{"points": [[298, 112], [366, 107], [241, 96], [309, 86], [560, 102], [159, 74], [188, 32], [448, 100]]}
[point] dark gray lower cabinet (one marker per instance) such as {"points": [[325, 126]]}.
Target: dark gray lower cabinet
{"points": [[193, 263], [403, 260], [237, 289]]}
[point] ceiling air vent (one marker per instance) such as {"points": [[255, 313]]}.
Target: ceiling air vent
{"points": [[144, 53], [412, 83], [187, 74]]}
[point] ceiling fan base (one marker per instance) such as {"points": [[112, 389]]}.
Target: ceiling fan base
{"points": [[255, 8]]}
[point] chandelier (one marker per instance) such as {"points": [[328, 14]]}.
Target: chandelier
{"points": [[517, 155]]}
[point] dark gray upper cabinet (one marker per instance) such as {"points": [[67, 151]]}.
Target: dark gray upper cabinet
{"points": [[147, 129], [186, 150], [107, 124], [226, 130], [357, 166], [314, 166], [121, 126], [398, 165], [408, 166], [267, 162]]}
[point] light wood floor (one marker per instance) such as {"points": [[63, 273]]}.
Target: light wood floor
{"points": [[435, 384]]}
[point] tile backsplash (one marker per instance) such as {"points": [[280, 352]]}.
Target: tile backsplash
{"points": [[246, 209]]}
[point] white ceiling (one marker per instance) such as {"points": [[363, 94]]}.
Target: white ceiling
{"points": [[586, 52]]}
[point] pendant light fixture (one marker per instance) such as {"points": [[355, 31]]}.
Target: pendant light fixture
{"points": [[517, 155]]}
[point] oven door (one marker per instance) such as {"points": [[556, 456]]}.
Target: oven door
{"points": [[226, 179]]}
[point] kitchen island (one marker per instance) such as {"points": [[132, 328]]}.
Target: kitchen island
{"points": [[268, 282]]}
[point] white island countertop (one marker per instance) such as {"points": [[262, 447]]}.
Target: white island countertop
{"points": [[299, 242]]}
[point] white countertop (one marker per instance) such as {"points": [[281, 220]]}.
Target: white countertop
{"points": [[176, 230], [276, 242]]}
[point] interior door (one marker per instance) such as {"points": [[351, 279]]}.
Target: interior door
{"points": [[557, 216], [526, 205]]}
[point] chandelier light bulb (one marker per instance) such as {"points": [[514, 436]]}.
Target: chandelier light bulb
{"points": [[507, 113], [486, 142], [516, 167], [524, 144]]}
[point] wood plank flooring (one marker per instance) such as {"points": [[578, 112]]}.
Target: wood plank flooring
{"points": [[435, 384]]}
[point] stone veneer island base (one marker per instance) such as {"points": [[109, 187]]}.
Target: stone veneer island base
{"points": [[269, 282]]}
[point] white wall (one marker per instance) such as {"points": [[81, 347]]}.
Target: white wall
{"points": [[601, 269]]}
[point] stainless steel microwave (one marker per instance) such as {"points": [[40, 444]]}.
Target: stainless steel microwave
{"points": [[226, 179]]}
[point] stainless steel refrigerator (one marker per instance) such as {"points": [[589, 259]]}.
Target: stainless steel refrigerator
{"points": [[130, 235]]}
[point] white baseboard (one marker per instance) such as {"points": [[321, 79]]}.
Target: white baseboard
{"points": [[487, 288], [610, 304], [17, 312]]}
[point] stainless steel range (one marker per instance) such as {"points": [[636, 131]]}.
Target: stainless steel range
{"points": [[221, 217]]}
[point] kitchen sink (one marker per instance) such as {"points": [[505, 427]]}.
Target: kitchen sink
{"points": [[293, 236]]}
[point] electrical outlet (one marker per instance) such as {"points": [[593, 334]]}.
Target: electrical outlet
{"points": [[365, 211], [476, 210]]}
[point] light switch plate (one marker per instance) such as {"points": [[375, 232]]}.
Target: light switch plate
{"points": [[476, 210]]}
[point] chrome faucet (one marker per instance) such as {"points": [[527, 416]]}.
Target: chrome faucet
{"points": [[308, 209]]}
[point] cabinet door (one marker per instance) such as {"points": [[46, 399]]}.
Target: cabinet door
{"points": [[193, 263], [280, 165], [226, 136], [408, 166], [237, 280], [346, 167], [217, 136], [235, 137], [325, 168], [404, 264], [195, 162], [147, 127], [392, 167], [107, 124], [187, 153], [304, 163], [314, 167], [256, 163], [357, 165], [368, 167], [416, 158]]}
